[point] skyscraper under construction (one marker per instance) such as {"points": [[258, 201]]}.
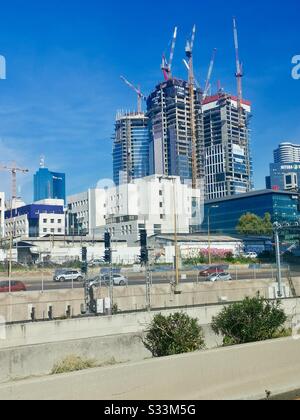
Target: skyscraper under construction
{"points": [[131, 147], [171, 143], [228, 160]]}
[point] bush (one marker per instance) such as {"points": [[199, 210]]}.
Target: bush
{"points": [[254, 319], [72, 364], [174, 334]]}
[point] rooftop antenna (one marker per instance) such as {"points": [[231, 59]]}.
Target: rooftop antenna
{"points": [[42, 162]]}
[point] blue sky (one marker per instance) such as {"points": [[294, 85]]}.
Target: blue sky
{"points": [[64, 61]]}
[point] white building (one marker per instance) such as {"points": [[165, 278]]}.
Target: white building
{"points": [[87, 212], [36, 220], [287, 153], [2, 212], [156, 203]]}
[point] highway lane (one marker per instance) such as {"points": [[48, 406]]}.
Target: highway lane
{"points": [[39, 284]]}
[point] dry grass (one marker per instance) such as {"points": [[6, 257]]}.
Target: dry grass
{"points": [[72, 364]]}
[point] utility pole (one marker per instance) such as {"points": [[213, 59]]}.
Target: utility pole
{"points": [[13, 170], [277, 228]]}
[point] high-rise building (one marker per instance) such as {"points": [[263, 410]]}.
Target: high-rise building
{"points": [[228, 164], [285, 171], [49, 185], [287, 153], [171, 148], [131, 148]]}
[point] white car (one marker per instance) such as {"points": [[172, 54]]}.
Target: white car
{"points": [[62, 276], [220, 277], [97, 262], [251, 255], [118, 280]]}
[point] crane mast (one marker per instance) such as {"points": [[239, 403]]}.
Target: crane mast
{"points": [[239, 75], [167, 65], [137, 90]]}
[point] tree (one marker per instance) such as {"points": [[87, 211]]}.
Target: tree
{"points": [[254, 319], [174, 334], [251, 224]]}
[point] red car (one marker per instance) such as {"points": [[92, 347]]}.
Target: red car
{"points": [[212, 270], [15, 286]]}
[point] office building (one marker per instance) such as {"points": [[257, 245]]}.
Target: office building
{"points": [[169, 111], [228, 163], [287, 153], [285, 171], [49, 185], [2, 213], [87, 212], [151, 203], [36, 220], [131, 148], [225, 213]]}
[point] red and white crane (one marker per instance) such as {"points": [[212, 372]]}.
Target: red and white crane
{"points": [[167, 65], [137, 90], [239, 74]]}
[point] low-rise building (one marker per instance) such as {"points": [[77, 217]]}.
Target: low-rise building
{"points": [[36, 220], [224, 214], [87, 212]]}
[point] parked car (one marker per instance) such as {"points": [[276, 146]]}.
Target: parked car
{"points": [[220, 277], [15, 286], [212, 270], [251, 255], [97, 262], [67, 275], [118, 280]]}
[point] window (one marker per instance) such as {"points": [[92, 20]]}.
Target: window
{"points": [[45, 221], [44, 230], [52, 221], [52, 230], [59, 230], [59, 221]]}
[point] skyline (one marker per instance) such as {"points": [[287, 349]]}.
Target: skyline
{"points": [[63, 85]]}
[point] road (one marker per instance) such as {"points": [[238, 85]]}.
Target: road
{"points": [[46, 283]]}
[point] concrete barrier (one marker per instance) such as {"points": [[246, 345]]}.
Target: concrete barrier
{"points": [[18, 306], [235, 373], [33, 349]]}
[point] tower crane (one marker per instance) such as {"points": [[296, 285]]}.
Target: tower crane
{"points": [[138, 91], [167, 65], [210, 71], [14, 170], [239, 75]]}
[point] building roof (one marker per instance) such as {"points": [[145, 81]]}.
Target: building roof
{"points": [[196, 238], [217, 97], [251, 194]]}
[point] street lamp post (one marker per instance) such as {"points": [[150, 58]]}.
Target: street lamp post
{"points": [[209, 237]]}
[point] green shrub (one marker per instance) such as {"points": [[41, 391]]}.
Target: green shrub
{"points": [[174, 334], [254, 319]]}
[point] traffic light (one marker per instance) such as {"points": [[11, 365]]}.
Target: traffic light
{"points": [[107, 240], [107, 256], [143, 239], [108, 251], [144, 257], [84, 254]]}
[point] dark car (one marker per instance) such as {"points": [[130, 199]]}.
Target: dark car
{"points": [[15, 286], [209, 271]]}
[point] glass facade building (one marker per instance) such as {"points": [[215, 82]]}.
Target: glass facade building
{"points": [[49, 185], [131, 148], [226, 213]]}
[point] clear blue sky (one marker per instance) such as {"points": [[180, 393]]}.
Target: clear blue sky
{"points": [[64, 61]]}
